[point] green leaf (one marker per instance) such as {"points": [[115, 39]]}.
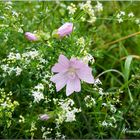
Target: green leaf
{"points": [[127, 67]]}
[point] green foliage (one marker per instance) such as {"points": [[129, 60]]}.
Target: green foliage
{"points": [[107, 39]]}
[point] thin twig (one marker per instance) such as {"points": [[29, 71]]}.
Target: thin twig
{"points": [[121, 39]]}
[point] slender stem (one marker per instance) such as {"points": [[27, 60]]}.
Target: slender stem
{"points": [[84, 116], [123, 121], [121, 39]]}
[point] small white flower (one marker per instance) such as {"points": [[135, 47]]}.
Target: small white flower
{"points": [[104, 104], [104, 123], [39, 87], [99, 7], [122, 13], [83, 19], [37, 96], [101, 91], [118, 15], [137, 21], [4, 104], [43, 128], [92, 19], [18, 56], [81, 41], [97, 82], [72, 8], [131, 14], [112, 108], [120, 20], [112, 118], [18, 71]]}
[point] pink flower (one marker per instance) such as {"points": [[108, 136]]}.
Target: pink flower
{"points": [[31, 36], [44, 117], [69, 73], [65, 29]]}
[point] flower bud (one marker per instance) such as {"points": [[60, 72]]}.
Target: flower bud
{"points": [[44, 117], [31, 36], [64, 30]]}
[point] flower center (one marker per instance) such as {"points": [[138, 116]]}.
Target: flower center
{"points": [[71, 73]]}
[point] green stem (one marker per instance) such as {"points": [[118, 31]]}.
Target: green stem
{"points": [[84, 116], [123, 121]]}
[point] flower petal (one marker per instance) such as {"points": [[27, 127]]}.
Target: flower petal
{"points": [[58, 68], [65, 29], [60, 80], [73, 85], [85, 74], [63, 61]]}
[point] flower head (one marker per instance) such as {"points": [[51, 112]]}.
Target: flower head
{"points": [[31, 36], [65, 29], [69, 73], [44, 117]]}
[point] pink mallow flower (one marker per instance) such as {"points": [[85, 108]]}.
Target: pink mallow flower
{"points": [[65, 29], [31, 36], [69, 73]]}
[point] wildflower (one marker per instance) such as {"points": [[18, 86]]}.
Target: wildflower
{"points": [[104, 123], [131, 14], [37, 96], [122, 13], [97, 82], [120, 20], [69, 73], [65, 29], [81, 41], [18, 71], [72, 8], [39, 87], [118, 16], [4, 104], [92, 19], [137, 21], [88, 58], [44, 117], [99, 7], [31, 36]]}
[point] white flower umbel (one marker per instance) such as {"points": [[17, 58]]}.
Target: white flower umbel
{"points": [[72, 8], [39, 87], [99, 7], [104, 123], [131, 14], [37, 92], [18, 71], [37, 96], [67, 112], [90, 102]]}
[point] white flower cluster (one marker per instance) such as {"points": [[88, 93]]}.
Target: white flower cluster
{"points": [[81, 41], [67, 112], [122, 15], [88, 58], [90, 101], [109, 122], [37, 93], [16, 62], [72, 8], [88, 8], [8, 69]]}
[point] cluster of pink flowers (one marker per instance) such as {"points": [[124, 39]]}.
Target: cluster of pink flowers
{"points": [[68, 72]]}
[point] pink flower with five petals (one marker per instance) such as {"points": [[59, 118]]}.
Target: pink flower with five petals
{"points": [[69, 73]]}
